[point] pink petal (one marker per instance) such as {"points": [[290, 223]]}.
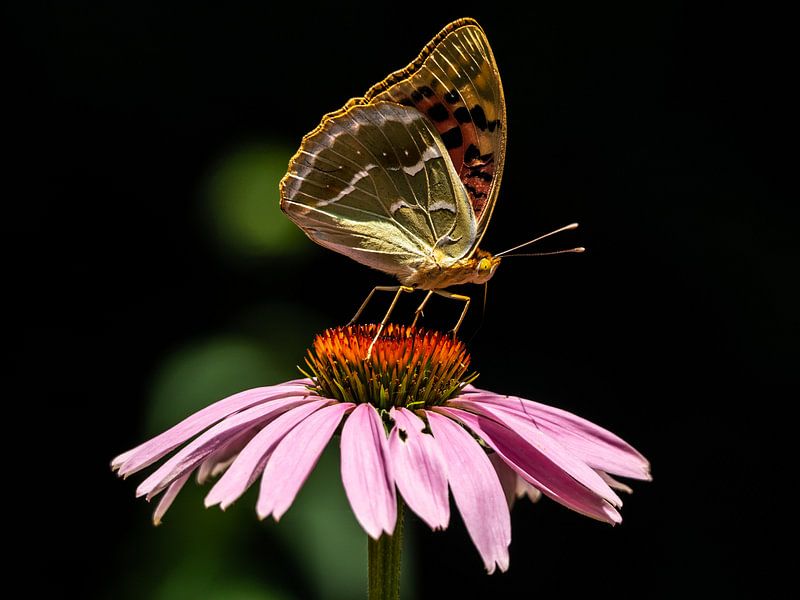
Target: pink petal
{"points": [[219, 460], [526, 489], [508, 478], [547, 446], [166, 500], [597, 447], [367, 471], [199, 449], [514, 486], [535, 468], [147, 453], [419, 470], [251, 460], [617, 485], [295, 458], [476, 489]]}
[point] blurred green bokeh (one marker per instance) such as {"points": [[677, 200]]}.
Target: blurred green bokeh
{"points": [[242, 202], [205, 371]]}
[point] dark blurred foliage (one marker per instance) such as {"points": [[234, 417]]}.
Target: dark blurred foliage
{"points": [[158, 275]]}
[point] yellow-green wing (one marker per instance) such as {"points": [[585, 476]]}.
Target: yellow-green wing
{"points": [[375, 182], [456, 84]]}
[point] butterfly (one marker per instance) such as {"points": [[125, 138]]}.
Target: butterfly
{"points": [[405, 178]]}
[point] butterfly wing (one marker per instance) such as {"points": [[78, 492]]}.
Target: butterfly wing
{"points": [[456, 84], [375, 182]]}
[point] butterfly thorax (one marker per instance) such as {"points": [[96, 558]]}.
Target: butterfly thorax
{"points": [[432, 275]]}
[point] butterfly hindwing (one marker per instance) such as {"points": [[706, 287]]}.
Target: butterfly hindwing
{"points": [[456, 84], [375, 182]]}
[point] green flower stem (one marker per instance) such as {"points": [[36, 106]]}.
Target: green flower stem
{"points": [[384, 562]]}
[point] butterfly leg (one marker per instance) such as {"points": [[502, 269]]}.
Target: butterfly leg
{"points": [[398, 290], [465, 299], [379, 288], [418, 312]]}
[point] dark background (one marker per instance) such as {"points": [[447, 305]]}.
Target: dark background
{"points": [[146, 127]]}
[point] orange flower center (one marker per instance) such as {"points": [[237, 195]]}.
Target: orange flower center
{"points": [[408, 367]]}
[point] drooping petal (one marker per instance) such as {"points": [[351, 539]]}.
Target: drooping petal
{"points": [[367, 471], [251, 460], [295, 458], [219, 460], [166, 500], [530, 464], [419, 469], [199, 449], [617, 485], [544, 444], [508, 478], [597, 447], [150, 451], [476, 489], [526, 489]]}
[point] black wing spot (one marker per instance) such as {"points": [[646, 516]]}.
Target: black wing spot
{"points": [[474, 192], [407, 102], [416, 97], [472, 153], [478, 116], [438, 112], [452, 96], [452, 138], [494, 125], [425, 91], [462, 114]]}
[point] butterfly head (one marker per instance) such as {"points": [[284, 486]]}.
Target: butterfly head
{"points": [[485, 266]]}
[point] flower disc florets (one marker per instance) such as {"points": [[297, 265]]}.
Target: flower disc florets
{"points": [[408, 366]]}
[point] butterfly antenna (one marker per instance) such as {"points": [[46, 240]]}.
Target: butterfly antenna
{"points": [[541, 237], [577, 250]]}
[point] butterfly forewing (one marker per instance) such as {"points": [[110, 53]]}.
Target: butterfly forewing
{"points": [[455, 83], [375, 182]]}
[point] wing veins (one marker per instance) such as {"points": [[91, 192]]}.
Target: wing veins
{"points": [[424, 209], [388, 215], [391, 179]]}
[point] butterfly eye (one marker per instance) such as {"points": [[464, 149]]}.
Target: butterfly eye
{"points": [[484, 265]]}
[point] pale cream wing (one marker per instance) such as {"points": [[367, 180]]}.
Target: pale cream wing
{"points": [[376, 183]]}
